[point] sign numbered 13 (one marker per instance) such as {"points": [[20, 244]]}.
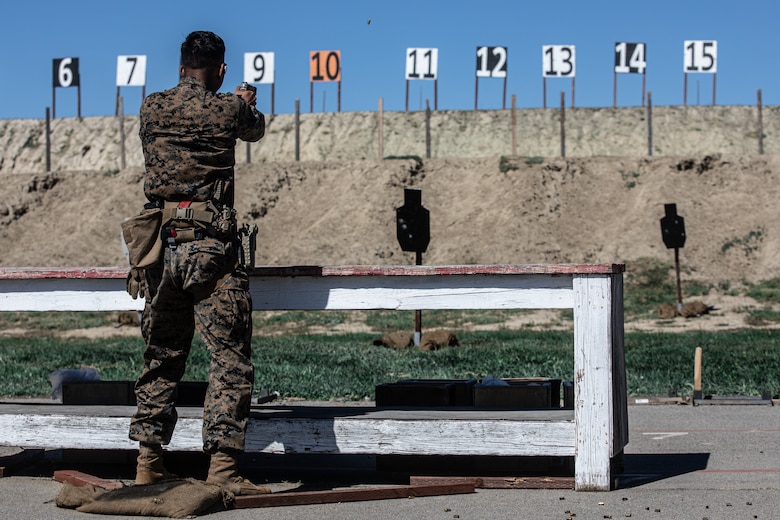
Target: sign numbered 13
{"points": [[558, 61], [491, 62], [259, 67], [701, 56], [131, 71], [66, 72], [630, 58], [422, 63]]}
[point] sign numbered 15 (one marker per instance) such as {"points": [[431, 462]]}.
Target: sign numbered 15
{"points": [[131, 71], [491, 62], [422, 63], [701, 56], [65, 72], [259, 67], [630, 58], [558, 61]]}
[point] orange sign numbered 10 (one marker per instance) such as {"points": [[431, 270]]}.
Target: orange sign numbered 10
{"points": [[325, 65]]}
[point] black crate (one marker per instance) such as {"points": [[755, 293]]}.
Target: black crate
{"points": [[426, 393]]}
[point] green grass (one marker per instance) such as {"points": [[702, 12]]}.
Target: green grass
{"points": [[348, 366]]}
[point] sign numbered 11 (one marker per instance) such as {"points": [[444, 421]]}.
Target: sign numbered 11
{"points": [[422, 63]]}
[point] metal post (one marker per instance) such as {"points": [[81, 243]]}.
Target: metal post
{"points": [[476, 91], [427, 130], [297, 130], [418, 313], [649, 123], [760, 124], [48, 141], [677, 271], [563, 124], [120, 108]]}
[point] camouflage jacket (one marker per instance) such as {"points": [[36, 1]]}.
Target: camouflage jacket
{"points": [[188, 135]]}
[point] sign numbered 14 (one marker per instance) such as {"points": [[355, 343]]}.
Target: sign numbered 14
{"points": [[630, 58], [701, 56], [131, 71]]}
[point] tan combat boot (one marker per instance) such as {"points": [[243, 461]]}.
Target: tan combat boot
{"points": [[150, 469], [223, 472]]}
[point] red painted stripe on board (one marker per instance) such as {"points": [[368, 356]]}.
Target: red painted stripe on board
{"points": [[37, 273], [738, 471]]}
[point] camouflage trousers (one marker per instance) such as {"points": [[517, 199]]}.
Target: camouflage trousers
{"points": [[198, 283]]}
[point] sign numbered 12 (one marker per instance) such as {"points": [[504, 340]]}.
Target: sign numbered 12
{"points": [[491, 62], [325, 65], [701, 56], [630, 58], [259, 67], [65, 72], [131, 71], [558, 61], [422, 63]]}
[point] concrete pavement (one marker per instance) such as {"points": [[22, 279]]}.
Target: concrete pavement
{"points": [[682, 462]]}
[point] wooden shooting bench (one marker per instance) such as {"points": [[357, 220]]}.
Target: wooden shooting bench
{"points": [[594, 432]]}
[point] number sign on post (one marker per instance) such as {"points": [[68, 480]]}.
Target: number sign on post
{"points": [[558, 61], [130, 72], [65, 74], [630, 58], [491, 63], [700, 56], [422, 63], [259, 68], [324, 66]]}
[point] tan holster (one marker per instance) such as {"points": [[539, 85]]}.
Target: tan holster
{"points": [[142, 237]]}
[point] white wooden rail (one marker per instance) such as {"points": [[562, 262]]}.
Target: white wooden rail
{"points": [[594, 433]]}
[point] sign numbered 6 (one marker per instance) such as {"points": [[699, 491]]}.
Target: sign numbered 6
{"points": [[131, 71], [701, 56], [630, 58], [259, 67], [491, 62], [66, 72], [558, 61], [325, 65], [422, 63]]}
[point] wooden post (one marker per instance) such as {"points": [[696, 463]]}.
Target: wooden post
{"points": [[760, 124], [563, 124], [514, 125], [48, 141], [380, 124], [120, 107], [649, 123], [427, 130], [697, 394], [297, 130]]}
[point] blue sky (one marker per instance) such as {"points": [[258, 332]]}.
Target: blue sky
{"points": [[373, 55]]}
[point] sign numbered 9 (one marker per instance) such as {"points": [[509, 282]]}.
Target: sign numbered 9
{"points": [[131, 71], [630, 58], [701, 56], [558, 61], [491, 62], [422, 63], [259, 67], [66, 72]]}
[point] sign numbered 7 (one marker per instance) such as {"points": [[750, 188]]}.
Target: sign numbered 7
{"points": [[130, 71], [701, 56]]}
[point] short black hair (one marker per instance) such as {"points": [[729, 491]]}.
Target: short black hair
{"points": [[202, 49]]}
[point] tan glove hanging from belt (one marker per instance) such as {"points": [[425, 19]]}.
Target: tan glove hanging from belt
{"points": [[136, 283]]}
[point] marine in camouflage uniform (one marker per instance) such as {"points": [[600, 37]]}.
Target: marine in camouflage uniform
{"points": [[189, 134]]}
